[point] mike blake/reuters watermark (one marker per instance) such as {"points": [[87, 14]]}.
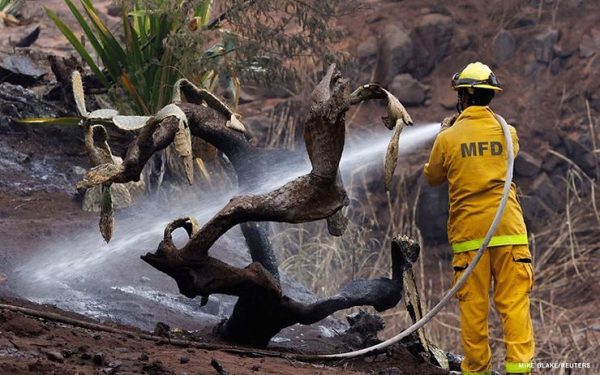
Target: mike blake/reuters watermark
{"points": [[557, 365]]}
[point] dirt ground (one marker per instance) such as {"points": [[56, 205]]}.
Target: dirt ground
{"points": [[37, 346]]}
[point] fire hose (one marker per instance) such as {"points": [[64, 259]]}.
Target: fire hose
{"points": [[444, 301]]}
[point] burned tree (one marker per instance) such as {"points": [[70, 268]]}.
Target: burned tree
{"points": [[262, 309]]}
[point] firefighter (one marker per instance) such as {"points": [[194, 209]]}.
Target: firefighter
{"points": [[470, 153]]}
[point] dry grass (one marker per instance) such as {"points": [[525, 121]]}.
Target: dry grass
{"points": [[564, 302], [325, 263]]}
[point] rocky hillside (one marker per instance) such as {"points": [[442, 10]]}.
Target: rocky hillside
{"points": [[546, 55]]}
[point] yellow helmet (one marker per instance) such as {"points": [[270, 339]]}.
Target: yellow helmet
{"points": [[476, 75]]}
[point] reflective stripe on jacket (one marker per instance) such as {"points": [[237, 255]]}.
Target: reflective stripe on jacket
{"points": [[471, 156]]}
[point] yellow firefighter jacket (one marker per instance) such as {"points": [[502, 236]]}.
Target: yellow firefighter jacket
{"points": [[471, 155]]}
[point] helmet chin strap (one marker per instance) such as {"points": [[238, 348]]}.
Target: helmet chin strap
{"points": [[459, 103], [461, 98]]}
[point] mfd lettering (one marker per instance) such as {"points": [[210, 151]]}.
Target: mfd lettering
{"points": [[480, 148]]}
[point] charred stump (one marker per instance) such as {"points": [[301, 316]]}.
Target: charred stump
{"points": [[262, 310]]}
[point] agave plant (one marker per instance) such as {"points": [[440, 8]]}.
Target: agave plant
{"points": [[142, 73], [99, 198], [8, 12]]}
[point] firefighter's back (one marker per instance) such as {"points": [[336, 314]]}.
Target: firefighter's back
{"points": [[476, 155]]}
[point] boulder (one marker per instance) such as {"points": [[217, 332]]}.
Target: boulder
{"points": [[555, 66], [567, 45], [55, 356], [367, 54], [396, 52], [522, 19], [431, 41], [20, 69], [447, 99], [504, 47], [533, 67], [544, 45], [581, 154], [543, 188], [461, 40], [592, 93], [408, 90], [19, 102], [363, 329], [432, 213], [552, 162], [527, 165], [590, 43], [535, 211]]}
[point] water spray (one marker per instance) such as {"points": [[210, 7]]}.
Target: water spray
{"points": [[78, 272]]}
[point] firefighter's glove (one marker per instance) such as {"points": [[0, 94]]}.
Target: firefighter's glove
{"points": [[448, 122]]}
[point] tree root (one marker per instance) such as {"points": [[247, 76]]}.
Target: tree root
{"points": [[262, 310]]}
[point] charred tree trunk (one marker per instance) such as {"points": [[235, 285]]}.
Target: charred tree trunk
{"points": [[262, 309]]}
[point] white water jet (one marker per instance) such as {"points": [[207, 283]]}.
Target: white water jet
{"points": [[81, 264]]}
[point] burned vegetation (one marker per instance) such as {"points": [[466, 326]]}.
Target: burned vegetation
{"points": [[262, 309]]}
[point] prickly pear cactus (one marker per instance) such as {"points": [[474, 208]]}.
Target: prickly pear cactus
{"points": [[391, 157], [93, 198], [395, 119], [130, 122], [395, 112], [183, 138], [78, 94], [235, 123], [196, 95], [107, 214]]}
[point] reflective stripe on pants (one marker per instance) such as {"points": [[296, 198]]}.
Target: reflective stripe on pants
{"points": [[502, 240]]}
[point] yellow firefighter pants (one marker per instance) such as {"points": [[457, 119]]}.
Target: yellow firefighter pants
{"points": [[511, 269]]}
